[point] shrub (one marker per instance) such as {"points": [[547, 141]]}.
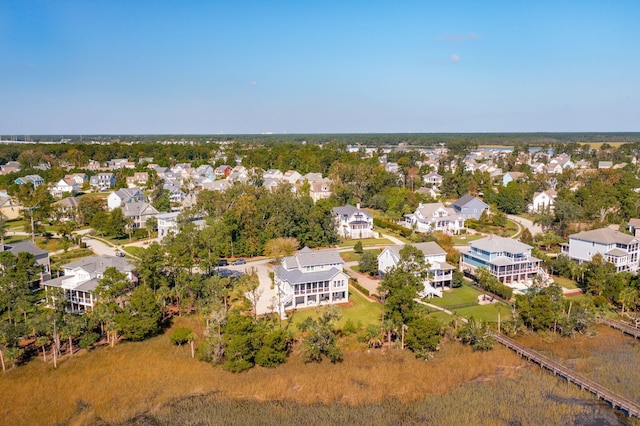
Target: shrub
{"points": [[358, 247], [88, 340], [361, 289], [368, 263], [181, 335]]}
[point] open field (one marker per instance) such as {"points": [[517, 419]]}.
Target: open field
{"points": [[457, 296], [565, 282], [460, 240]]}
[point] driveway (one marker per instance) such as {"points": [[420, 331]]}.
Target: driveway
{"points": [[534, 229], [268, 297], [98, 247]]}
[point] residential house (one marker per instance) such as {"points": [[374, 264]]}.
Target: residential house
{"points": [[634, 227], [117, 163], [543, 201], [35, 180], [10, 208], [102, 181], [435, 217], [440, 273], [508, 260], [469, 207], [605, 164], [274, 174], [432, 178], [218, 185], [614, 246], [428, 192], [10, 167], [125, 195], [81, 278], [65, 185], [292, 177], [511, 176], [93, 166], [167, 222], [138, 179], [310, 278], [41, 259], [139, 213], [223, 171], [351, 222], [67, 209], [320, 190], [392, 168]]}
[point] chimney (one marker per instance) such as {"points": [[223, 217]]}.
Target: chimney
{"points": [[358, 206]]}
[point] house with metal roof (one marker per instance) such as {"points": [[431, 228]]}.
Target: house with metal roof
{"points": [[310, 278], [41, 258], [507, 259], [616, 247], [81, 278], [352, 222], [440, 273]]}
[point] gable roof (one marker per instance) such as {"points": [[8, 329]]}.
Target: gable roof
{"points": [[24, 247], [99, 264], [429, 248], [138, 209], [466, 199], [308, 257], [349, 210], [604, 236]]}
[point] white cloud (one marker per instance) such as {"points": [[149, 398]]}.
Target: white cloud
{"points": [[253, 83], [454, 58]]}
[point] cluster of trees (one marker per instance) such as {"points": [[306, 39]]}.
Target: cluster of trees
{"points": [[545, 309], [492, 284], [403, 318]]}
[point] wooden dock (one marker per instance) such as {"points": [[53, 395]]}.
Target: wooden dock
{"points": [[630, 408], [619, 325]]}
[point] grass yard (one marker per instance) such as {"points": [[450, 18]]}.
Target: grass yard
{"points": [[360, 310], [365, 242], [565, 282], [134, 250], [510, 230], [351, 256], [487, 313], [457, 296], [71, 255], [460, 240]]}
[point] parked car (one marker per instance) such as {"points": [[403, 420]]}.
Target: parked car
{"points": [[119, 254], [239, 262], [223, 262]]}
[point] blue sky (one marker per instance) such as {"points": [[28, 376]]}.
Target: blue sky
{"points": [[120, 67]]}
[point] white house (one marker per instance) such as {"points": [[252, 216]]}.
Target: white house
{"points": [[103, 181], [167, 222], [440, 272], [435, 217], [310, 278], [616, 247], [351, 222], [139, 213], [125, 195], [543, 201], [432, 178], [80, 279]]}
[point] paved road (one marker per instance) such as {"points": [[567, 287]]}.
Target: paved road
{"points": [[534, 229]]}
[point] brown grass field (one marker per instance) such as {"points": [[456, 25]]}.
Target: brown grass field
{"points": [[159, 382]]}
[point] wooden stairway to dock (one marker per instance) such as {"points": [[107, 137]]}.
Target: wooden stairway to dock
{"points": [[619, 325]]}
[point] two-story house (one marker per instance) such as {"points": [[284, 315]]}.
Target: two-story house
{"points": [[80, 279], [616, 247], [310, 278], [543, 201], [505, 258], [102, 181], [35, 180], [125, 195], [469, 207], [440, 272], [351, 222], [139, 213], [435, 217], [41, 258], [432, 178]]}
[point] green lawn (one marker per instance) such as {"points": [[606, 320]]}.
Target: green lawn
{"points": [[460, 240], [457, 296], [351, 256], [365, 242], [134, 251], [361, 310], [488, 313], [565, 282]]}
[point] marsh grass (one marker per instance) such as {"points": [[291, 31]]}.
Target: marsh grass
{"points": [[115, 384], [609, 358]]}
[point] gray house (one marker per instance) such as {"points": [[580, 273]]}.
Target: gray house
{"points": [[469, 207]]}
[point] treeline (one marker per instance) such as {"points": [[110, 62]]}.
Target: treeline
{"points": [[365, 139]]}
